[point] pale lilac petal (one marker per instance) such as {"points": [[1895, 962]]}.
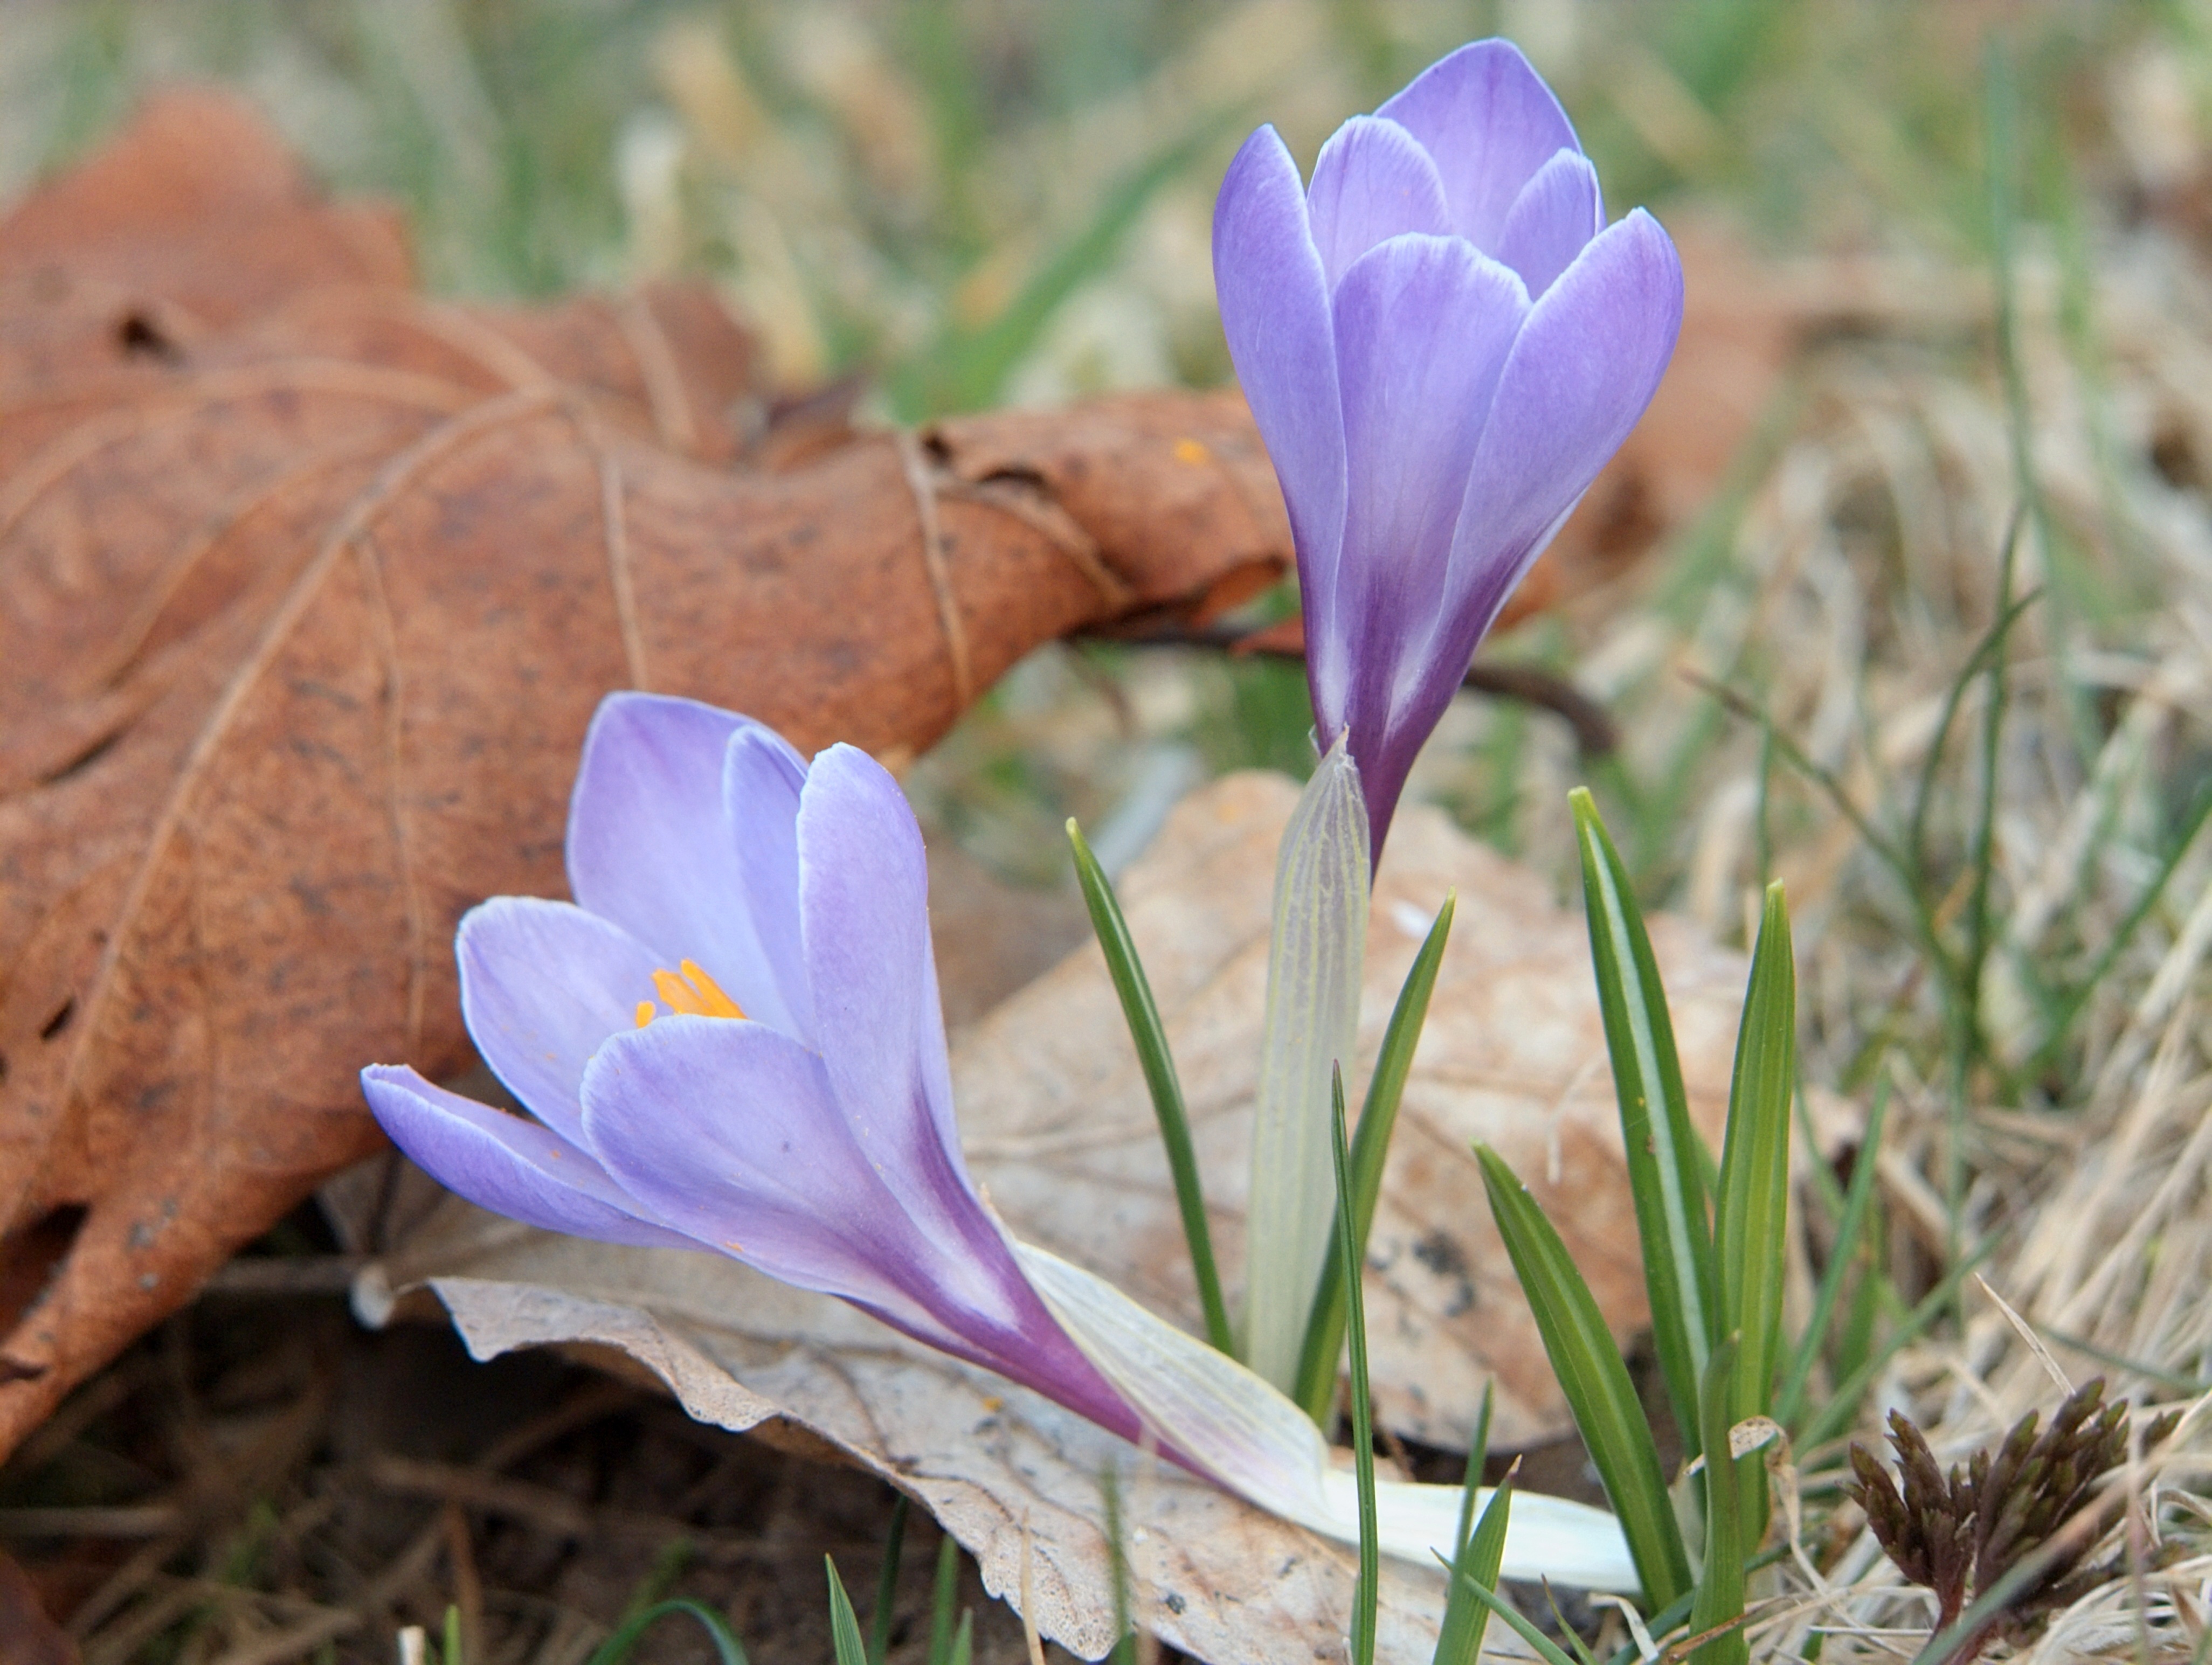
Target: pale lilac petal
{"points": [[1424, 326], [1371, 181], [864, 907], [730, 1132], [762, 777], [543, 984], [1491, 122], [1585, 365], [505, 1164], [1553, 219], [1274, 312], [650, 845]]}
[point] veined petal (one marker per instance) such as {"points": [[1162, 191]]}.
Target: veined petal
{"points": [[1553, 219], [542, 984], [1372, 180], [863, 908], [1584, 368], [1490, 121], [729, 1132], [503, 1163], [649, 844], [1275, 314], [1423, 325], [762, 779]]}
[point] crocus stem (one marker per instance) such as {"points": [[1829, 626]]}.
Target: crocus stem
{"points": [[1314, 963]]}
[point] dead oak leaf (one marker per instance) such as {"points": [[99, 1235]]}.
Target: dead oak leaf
{"points": [[304, 617]]}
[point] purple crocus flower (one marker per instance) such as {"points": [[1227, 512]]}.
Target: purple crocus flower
{"points": [[1442, 341], [731, 1041]]}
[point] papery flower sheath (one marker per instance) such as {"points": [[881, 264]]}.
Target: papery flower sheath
{"points": [[731, 1041], [1442, 341]]}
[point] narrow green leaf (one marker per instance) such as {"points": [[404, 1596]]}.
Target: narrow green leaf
{"points": [[615, 1649], [963, 1644], [880, 1621], [1850, 1234], [1365, 1598], [844, 1626], [1477, 1454], [1546, 1650], [1595, 1380], [1370, 1144], [1665, 1175], [943, 1599], [1720, 1585], [1750, 1218], [452, 1652], [1151, 1036], [1124, 1651], [1481, 1554]]}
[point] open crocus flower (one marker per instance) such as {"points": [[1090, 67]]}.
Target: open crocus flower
{"points": [[1442, 341], [731, 1042]]}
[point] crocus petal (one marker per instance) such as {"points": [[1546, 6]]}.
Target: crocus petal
{"points": [[543, 984], [1488, 119], [730, 1132], [649, 844], [1424, 326], [1275, 314], [1585, 365], [864, 907], [762, 779], [1553, 219], [1371, 181], [505, 1164]]}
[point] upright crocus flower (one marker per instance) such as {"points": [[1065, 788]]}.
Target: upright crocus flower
{"points": [[1443, 342], [731, 1042]]}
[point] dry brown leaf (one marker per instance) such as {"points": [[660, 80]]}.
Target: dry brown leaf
{"points": [[27, 1637], [309, 592], [1058, 1128]]}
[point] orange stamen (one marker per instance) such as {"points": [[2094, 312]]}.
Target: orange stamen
{"points": [[693, 993], [645, 1012]]}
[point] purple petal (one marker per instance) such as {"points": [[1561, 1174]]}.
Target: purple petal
{"points": [[1586, 364], [762, 777], [505, 1164], [730, 1132], [1554, 217], [863, 904], [1491, 122], [1371, 181], [542, 984], [1274, 310], [1423, 325], [649, 844]]}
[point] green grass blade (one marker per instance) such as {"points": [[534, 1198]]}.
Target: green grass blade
{"points": [[1546, 1650], [1371, 1144], [1365, 1599], [1752, 1216], [450, 1652], [1151, 1035], [1720, 1586], [1477, 1454], [1665, 1176], [1851, 1233], [616, 1647], [844, 1627], [1481, 1554], [880, 1621], [1595, 1380], [964, 1644], [1124, 1650], [1837, 1415], [943, 1598]]}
